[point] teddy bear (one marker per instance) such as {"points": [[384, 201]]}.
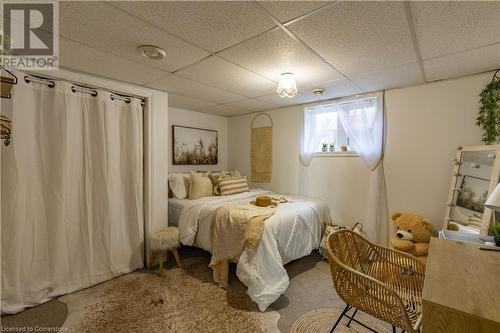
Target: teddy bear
{"points": [[411, 233]]}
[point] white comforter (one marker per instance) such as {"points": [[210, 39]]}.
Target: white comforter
{"points": [[291, 233]]}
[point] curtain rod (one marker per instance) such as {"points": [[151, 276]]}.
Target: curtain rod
{"points": [[327, 103], [341, 100], [81, 88]]}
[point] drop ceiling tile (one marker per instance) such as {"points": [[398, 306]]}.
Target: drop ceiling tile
{"points": [[213, 25], [389, 78], [187, 103], [275, 52], [284, 101], [220, 73], [285, 11], [224, 110], [177, 84], [252, 105], [359, 37], [333, 89], [444, 27], [463, 63], [83, 58], [113, 31]]}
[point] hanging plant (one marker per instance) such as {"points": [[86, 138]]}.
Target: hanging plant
{"points": [[4, 39], [489, 111]]}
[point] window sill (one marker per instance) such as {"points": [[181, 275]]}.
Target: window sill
{"points": [[337, 154]]}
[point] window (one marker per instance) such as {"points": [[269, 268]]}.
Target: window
{"points": [[323, 123]]}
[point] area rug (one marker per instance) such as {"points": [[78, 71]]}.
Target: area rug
{"points": [[175, 302], [322, 321]]}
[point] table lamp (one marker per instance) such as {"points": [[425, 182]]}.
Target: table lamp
{"points": [[493, 201]]}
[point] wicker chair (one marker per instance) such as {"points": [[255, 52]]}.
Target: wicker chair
{"points": [[379, 281]]}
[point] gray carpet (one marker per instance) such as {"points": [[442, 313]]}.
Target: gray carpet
{"points": [[50, 314], [310, 288]]}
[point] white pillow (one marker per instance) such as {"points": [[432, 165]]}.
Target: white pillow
{"points": [[200, 185], [179, 185]]}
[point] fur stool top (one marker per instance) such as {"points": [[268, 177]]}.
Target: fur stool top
{"points": [[163, 241]]}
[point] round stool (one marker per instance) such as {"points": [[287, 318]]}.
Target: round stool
{"points": [[163, 241]]}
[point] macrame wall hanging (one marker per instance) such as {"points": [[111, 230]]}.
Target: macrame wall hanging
{"points": [[261, 149]]}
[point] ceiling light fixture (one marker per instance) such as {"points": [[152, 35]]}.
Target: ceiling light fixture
{"points": [[287, 86], [152, 52]]}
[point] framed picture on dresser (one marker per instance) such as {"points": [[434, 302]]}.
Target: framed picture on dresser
{"points": [[473, 193], [194, 146]]}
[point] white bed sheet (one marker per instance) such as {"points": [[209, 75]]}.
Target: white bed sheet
{"points": [[294, 231], [175, 207]]}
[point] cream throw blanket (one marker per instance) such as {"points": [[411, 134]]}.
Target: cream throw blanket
{"points": [[235, 227], [261, 154]]}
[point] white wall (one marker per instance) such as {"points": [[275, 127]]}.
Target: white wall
{"points": [[201, 120], [425, 124], [337, 180], [286, 127]]}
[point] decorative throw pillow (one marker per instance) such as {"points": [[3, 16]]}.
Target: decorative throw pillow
{"points": [[233, 186], [223, 174], [200, 185], [235, 173], [179, 185], [214, 177]]}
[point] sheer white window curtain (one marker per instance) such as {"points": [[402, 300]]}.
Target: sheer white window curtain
{"points": [[72, 198], [313, 134], [363, 120]]}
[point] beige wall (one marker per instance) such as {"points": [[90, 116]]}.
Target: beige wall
{"points": [[340, 181], [201, 120], [425, 124]]}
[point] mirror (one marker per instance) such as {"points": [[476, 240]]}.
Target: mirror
{"points": [[476, 172]]}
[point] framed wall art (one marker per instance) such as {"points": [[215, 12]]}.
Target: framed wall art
{"points": [[194, 146]]}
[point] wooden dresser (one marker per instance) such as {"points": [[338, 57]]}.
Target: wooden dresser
{"points": [[461, 289]]}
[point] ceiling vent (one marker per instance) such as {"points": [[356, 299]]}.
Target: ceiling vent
{"points": [[152, 52], [318, 91]]}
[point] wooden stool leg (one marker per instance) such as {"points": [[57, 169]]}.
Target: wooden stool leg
{"points": [[162, 258], [176, 256]]}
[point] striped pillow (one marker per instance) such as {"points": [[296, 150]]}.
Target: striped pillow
{"points": [[233, 186]]}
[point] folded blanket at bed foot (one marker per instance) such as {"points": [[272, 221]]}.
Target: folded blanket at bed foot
{"points": [[234, 228]]}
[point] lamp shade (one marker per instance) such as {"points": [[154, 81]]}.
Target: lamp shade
{"points": [[493, 201], [287, 86]]}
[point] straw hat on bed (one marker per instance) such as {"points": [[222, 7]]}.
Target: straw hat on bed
{"points": [[263, 201]]}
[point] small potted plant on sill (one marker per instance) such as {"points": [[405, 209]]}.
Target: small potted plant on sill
{"points": [[495, 230], [331, 148], [324, 147]]}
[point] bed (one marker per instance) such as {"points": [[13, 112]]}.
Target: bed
{"points": [[294, 231]]}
